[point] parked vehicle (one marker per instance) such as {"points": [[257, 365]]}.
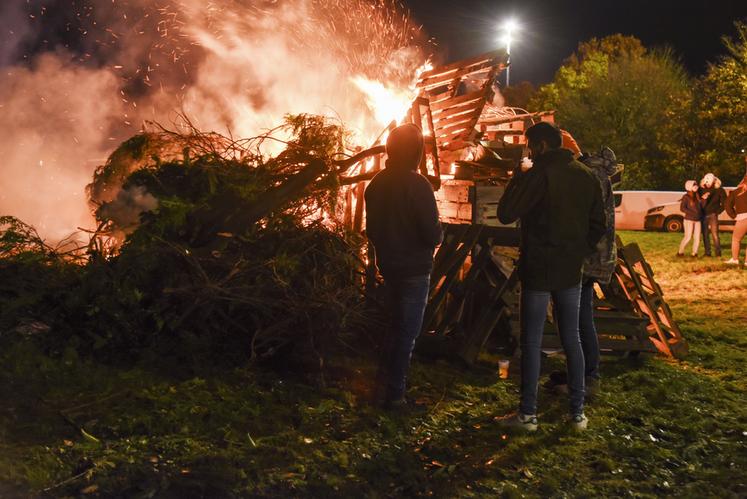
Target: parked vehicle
{"points": [[631, 207], [667, 217]]}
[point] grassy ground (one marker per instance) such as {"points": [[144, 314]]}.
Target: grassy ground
{"points": [[72, 428]]}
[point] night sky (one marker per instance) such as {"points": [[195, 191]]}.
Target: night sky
{"points": [[552, 29]]}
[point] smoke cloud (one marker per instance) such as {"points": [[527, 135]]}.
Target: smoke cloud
{"points": [[78, 77]]}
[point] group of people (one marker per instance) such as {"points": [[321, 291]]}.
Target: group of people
{"points": [[702, 204], [567, 244]]}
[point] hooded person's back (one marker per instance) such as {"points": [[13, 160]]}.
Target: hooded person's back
{"points": [[401, 213]]}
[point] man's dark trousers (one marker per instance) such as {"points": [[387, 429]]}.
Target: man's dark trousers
{"points": [[407, 298], [588, 331], [533, 313], [709, 225]]}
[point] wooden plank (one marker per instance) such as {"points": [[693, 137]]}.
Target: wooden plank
{"points": [[453, 235], [456, 307], [487, 321], [500, 55], [451, 266], [359, 204], [462, 211], [454, 193], [455, 119], [432, 140], [464, 123], [462, 136], [437, 107], [440, 79], [468, 108]]}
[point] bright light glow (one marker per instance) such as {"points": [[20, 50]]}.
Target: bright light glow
{"points": [[510, 26], [506, 40]]}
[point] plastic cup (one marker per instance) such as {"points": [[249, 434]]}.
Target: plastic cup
{"points": [[503, 369]]}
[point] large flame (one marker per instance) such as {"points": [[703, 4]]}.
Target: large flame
{"points": [[232, 67], [389, 103]]}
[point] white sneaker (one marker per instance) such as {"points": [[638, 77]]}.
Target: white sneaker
{"points": [[579, 422], [519, 421], [732, 261]]}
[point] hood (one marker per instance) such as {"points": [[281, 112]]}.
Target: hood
{"points": [[604, 160]]}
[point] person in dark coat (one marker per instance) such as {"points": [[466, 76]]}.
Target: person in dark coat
{"points": [[598, 267], [559, 204], [403, 226], [714, 197], [691, 206]]}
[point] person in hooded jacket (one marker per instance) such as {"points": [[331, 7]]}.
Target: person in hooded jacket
{"points": [[713, 197], [403, 226], [692, 208], [598, 267]]}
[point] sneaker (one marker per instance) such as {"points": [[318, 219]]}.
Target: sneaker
{"points": [[694, 256], [732, 261], [519, 421], [680, 255], [579, 422]]}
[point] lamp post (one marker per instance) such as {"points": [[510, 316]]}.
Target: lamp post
{"points": [[509, 27]]}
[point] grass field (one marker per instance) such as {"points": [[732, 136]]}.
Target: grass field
{"points": [[70, 427]]}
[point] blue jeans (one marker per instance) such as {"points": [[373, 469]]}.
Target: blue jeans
{"points": [[533, 313], [407, 299], [588, 331]]}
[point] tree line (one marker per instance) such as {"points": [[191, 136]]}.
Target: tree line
{"points": [[665, 125]]}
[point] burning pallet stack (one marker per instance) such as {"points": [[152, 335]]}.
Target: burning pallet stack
{"points": [[472, 145]]}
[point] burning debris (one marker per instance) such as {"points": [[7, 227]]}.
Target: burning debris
{"points": [[237, 262], [98, 70]]}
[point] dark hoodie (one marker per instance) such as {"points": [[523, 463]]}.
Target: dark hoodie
{"points": [[714, 203], [559, 202], [402, 220], [692, 206]]}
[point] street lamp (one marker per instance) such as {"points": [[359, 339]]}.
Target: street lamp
{"points": [[509, 28]]}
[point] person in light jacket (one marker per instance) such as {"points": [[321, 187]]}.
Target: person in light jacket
{"points": [[691, 205], [736, 207]]}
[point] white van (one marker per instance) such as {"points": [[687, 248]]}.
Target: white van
{"points": [[631, 207], [668, 217]]}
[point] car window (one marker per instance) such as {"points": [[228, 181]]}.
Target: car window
{"points": [[618, 200]]}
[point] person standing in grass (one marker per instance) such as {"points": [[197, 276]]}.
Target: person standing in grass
{"points": [[692, 207], [598, 268], [713, 196], [736, 207], [559, 203], [402, 224]]}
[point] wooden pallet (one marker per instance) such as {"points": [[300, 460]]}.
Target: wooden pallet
{"points": [[472, 292], [457, 94], [636, 280], [467, 290]]}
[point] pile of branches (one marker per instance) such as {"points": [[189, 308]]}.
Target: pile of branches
{"points": [[229, 255]]}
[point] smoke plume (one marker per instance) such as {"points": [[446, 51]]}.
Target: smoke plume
{"points": [[79, 76]]}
